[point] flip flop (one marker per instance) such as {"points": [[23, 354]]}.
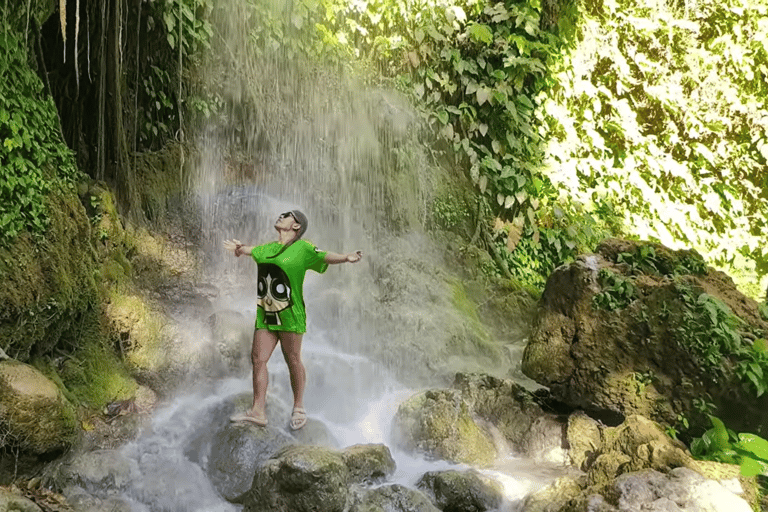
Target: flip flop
{"points": [[298, 418], [247, 418]]}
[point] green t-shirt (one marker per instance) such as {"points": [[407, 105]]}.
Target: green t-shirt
{"points": [[280, 284]]}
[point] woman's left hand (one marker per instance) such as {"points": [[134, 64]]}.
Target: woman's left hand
{"points": [[354, 257]]}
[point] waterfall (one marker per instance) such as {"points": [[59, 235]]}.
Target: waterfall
{"points": [[348, 156]]}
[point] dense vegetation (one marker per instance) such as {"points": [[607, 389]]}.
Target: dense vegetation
{"points": [[573, 120], [577, 119]]}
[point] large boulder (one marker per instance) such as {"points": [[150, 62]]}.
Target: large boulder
{"points": [[99, 473], [459, 424], [236, 452], [438, 423], [369, 463], [625, 331], [305, 478], [636, 466], [392, 498], [681, 489], [461, 491], [34, 414]]}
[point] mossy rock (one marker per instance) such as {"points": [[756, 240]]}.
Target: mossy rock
{"points": [[437, 423], [48, 285], [468, 491], [300, 478], [34, 414]]}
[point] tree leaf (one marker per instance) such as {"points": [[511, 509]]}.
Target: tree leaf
{"points": [[482, 95], [480, 33]]}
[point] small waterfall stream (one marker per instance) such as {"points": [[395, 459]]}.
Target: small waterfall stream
{"points": [[350, 158], [354, 396]]}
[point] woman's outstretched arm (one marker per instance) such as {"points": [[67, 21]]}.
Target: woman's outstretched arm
{"points": [[237, 247], [333, 258]]}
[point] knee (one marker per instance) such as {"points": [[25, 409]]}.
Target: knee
{"points": [[293, 359], [258, 360]]}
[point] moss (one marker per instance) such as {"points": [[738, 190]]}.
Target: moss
{"points": [[48, 284], [140, 330]]}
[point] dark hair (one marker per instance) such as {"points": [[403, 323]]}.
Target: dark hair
{"points": [[302, 221]]}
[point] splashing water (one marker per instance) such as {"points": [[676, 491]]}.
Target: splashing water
{"points": [[349, 158]]}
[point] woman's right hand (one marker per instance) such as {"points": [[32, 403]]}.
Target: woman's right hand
{"points": [[234, 246]]}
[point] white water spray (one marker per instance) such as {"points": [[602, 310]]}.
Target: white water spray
{"points": [[347, 158]]}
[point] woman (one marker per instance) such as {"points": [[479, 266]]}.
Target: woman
{"points": [[281, 315]]}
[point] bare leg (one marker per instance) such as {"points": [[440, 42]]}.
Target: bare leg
{"points": [[264, 343], [290, 343]]}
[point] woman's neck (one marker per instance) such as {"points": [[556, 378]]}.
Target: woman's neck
{"points": [[285, 237]]}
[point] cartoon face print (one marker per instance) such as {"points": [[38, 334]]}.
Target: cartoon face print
{"points": [[273, 292]]}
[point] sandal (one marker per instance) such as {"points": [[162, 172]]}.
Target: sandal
{"points": [[247, 418], [298, 418]]}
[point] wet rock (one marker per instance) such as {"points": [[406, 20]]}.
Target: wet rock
{"points": [[682, 489], [101, 472], [237, 450], [13, 502], [84, 502], [170, 482], [313, 478], [392, 498], [201, 433], [553, 497], [34, 414], [438, 423], [508, 406], [315, 432], [369, 463], [584, 439], [461, 491], [545, 441], [301, 479], [628, 357]]}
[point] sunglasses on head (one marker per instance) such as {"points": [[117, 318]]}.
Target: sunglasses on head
{"points": [[287, 214]]}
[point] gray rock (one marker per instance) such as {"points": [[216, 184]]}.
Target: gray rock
{"points": [[315, 432], [101, 472], [682, 489], [300, 479], [392, 498], [439, 423], [81, 501], [368, 464], [461, 491], [544, 441], [171, 482], [237, 450], [11, 502]]}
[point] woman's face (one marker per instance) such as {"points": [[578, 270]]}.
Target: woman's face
{"points": [[286, 221]]}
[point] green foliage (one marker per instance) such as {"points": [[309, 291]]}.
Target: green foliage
{"points": [[723, 445], [617, 292], [33, 157], [712, 333], [662, 111], [449, 211], [642, 260], [187, 26], [160, 111]]}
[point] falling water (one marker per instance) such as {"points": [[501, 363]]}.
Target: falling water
{"points": [[349, 158]]}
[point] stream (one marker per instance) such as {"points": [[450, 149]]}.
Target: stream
{"points": [[352, 395]]}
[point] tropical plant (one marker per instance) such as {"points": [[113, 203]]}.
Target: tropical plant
{"points": [[721, 444], [33, 158]]}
